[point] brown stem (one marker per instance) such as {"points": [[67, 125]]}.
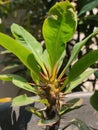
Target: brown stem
{"points": [[53, 127], [51, 112]]}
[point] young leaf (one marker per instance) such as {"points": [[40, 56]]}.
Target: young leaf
{"points": [[28, 40], [94, 100], [23, 53], [79, 80], [58, 29], [80, 66], [46, 60], [18, 81]]}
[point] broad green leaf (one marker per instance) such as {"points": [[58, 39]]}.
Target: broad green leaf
{"points": [[23, 53], [44, 122], [71, 105], [18, 81], [28, 40], [79, 80], [24, 100], [80, 66], [94, 100], [77, 47], [58, 28], [88, 7]]}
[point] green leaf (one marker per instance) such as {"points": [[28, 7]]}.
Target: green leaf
{"points": [[35, 111], [96, 74], [80, 124], [10, 67], [24, 100], [94, 100], [19, 82], [58, 29], [93, 18], [88, 7], [21, 51], [80, 66], [79, 80], [44, 122], [28, 40], [60, 61], [46, 61], [71, 105], [77, 47]]}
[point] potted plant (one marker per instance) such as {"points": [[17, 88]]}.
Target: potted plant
{"points": [[50, 83]]}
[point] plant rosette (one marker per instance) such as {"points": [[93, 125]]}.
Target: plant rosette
{"points": [[50, 83]]}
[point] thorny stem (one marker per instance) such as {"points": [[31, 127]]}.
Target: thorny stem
{"points": [[50, 91]]}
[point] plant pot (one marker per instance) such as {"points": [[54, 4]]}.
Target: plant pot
{"points": [[24, 120]]}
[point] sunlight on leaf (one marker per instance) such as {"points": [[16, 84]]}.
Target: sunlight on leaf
{"points": [[58, 29], [24, 100]]}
